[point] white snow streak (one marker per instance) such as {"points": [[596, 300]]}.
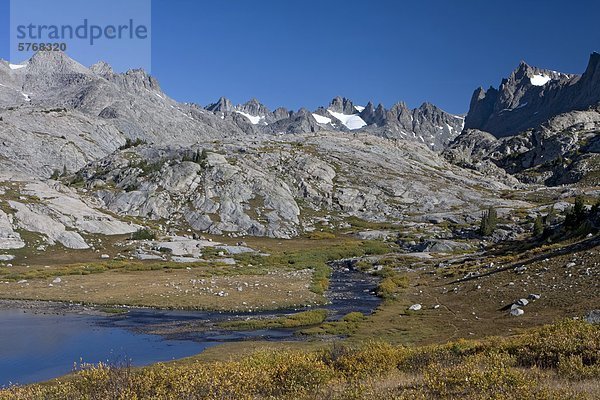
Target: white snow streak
{"points": [[351, 122]]}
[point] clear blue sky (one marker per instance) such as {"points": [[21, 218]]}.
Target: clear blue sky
{"points": [[303, 53]]}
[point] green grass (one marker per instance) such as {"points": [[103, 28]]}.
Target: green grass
{"points": [[315, 255], [344, 327], [113, 310], [302, 319], [213, 269]]}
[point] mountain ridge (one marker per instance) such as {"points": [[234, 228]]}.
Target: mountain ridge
{"points": [[531, 96]]}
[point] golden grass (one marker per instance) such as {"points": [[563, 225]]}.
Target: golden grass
{"points": [[185, 289]]}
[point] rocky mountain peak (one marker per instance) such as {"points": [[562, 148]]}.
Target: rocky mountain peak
{"points": [[592, 72], [102, 69], [342, 105], [254, 107], [428, 109], [222, 105], [54, 62]]}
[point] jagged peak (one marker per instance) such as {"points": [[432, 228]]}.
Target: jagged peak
{"points": [[102, 68], [593, 66], [400, 106], [254, 107], [342, 105], [222, 105], [428, 106]]}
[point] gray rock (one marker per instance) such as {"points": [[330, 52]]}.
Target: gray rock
{"points": [[9, 239], [522, 302], [517, 312], [185, 259], [593, 317], [442, 246], [373, 235]]}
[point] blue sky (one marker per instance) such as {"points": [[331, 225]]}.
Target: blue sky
{"points": [[303, 53]]}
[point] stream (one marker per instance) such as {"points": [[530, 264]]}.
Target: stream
{"points": [[37, 346]]}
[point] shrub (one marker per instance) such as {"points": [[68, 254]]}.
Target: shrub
{"points": [[132, 143], [143, 234], [391, 285], [321, 235]]}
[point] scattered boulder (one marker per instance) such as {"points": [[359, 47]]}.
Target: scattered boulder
{"points": [[373, 235], [517, 312], [442, 246], [522, 302], [415, 307]]}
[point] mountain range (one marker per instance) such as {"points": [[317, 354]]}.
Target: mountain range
{"points": [[123, 154]]}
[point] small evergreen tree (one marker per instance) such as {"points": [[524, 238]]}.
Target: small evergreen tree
{"points": [[489, 220], [550, 218], [576, 215], [538, 226], [579, 208]]}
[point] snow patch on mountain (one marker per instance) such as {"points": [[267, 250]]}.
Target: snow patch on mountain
{"points": [[254, 120], [539, 80], [321, 119], [351, 122]]}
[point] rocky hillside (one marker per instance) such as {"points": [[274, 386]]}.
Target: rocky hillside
{"points": [[289, 186], [56, 113], [564, 150], [541, 127]]}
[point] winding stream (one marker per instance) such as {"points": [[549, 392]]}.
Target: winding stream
{"points": [[39, 346]]}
